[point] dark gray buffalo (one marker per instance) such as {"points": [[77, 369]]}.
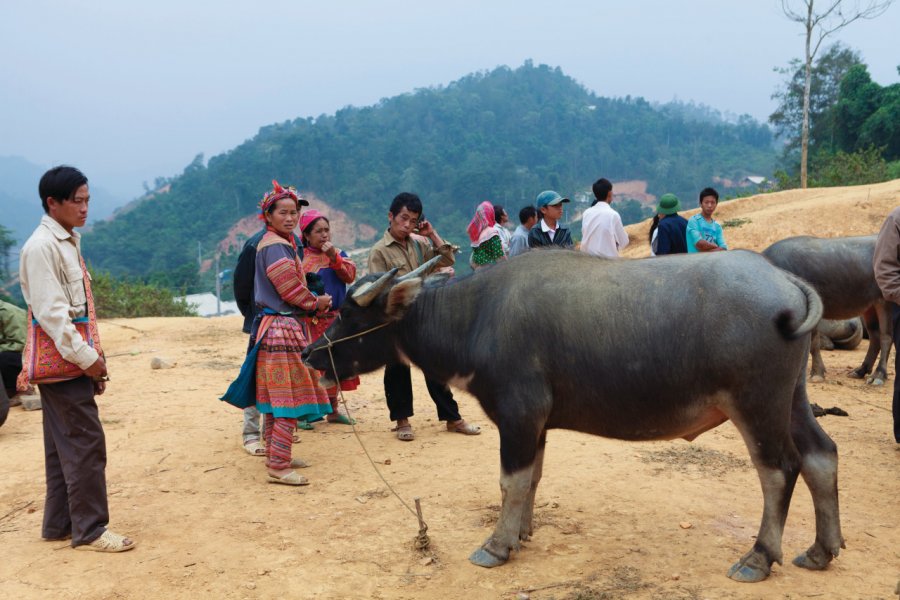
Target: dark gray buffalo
{"points": [[840, 334], [651, 349], [841, 271]]}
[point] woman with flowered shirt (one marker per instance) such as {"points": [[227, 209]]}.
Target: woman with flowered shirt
{"points": [[332, 270], [487, 247], [285, 388]]}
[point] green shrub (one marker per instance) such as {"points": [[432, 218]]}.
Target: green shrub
{"points": [[893, 170], [123, 298], [857, 168]]}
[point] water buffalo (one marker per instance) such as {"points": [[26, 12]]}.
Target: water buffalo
{"points": [[653, 349], [841, 271], [840, 334]]}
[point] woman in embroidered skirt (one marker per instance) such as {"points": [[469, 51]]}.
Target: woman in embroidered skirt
{"points": [[286, 390], [333, 271], [487, 247]]}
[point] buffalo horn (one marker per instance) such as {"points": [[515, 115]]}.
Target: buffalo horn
{"points": [[420, 270], [365, 294]]}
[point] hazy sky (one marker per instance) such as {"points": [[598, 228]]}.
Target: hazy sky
{"points": [[129, 91]]}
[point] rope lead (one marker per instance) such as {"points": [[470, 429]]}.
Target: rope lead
{"points": [[422, 542]]}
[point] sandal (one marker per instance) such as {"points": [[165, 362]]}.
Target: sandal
{"points": [[304, 424], [462, 427], [404, 433], [109, 542], [296, 463], [255, 448], [291, 478], [342, 419]]}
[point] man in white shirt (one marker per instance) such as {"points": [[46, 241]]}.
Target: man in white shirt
{"points": [[54, 285], [602, 233]]}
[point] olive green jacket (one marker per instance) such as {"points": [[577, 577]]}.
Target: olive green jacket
{"points": [[12, 327]]}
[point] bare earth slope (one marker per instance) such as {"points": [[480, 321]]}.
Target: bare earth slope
{"points": [[614, 520]]}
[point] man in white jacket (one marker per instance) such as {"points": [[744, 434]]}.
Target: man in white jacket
{"points": [[55, 284], [602, 233]]}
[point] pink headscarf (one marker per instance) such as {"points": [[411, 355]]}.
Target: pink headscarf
{"points": [[481, 227], [308, 217]]}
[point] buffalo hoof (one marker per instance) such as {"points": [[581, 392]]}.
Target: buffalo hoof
{"points": [[875, 380], [484, 558], [752, 568], [814, 559], [747, 574], [857, 374], [816, 378]]}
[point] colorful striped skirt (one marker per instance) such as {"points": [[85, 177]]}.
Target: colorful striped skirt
{"points": [[317, 327], [285, 387]]}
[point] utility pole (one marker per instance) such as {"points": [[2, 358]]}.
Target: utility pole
{"points": [[218, 288]]}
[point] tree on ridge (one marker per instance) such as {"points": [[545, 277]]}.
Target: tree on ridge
{"points": [[820, 25]]}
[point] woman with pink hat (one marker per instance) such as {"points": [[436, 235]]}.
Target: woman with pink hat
{"points": [[487, 247], [328, 270]]}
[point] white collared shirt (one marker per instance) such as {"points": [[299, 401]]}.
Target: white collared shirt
{"points": [[546, 229], [602, 233]]}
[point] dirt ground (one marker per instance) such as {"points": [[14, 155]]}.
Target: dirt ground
{"points": [[661, 520]]}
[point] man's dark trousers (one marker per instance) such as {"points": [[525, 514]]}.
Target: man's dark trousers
{"points": [[10, 365], [75, 457], [398, 390]]}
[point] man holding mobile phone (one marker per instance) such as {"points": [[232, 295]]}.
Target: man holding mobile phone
{"points": [[405, 249]]}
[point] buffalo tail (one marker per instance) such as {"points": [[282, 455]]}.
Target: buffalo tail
{"points": [[785, 319]]}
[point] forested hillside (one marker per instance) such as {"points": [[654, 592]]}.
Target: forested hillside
{"points": [[503, 135]]}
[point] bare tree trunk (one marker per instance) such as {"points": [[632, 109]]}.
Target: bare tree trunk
{"points": [[807, 86]]}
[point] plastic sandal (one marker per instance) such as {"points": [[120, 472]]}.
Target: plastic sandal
{"points": [[255, 448], [405, 433], [109, 542], [462, 427], [343, 420], [291, 478], [296, 463]]}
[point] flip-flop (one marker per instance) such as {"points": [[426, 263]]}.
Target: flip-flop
{"points": [[255, 448], [343, 420], [463, 427], [405, 433], [304, 424], [291, 478]]}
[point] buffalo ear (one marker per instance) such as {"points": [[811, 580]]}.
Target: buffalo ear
{"points": [[401, 296]]}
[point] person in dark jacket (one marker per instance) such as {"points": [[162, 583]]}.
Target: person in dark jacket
{"points": [[671, 232], [548, 232], [244, 273]]}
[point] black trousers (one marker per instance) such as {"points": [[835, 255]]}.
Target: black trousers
{"points": [[896, 402], [75, 458], [10, 365], [398, 391]]}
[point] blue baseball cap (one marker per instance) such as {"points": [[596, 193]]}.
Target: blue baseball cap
{"points": [[549, 198]]}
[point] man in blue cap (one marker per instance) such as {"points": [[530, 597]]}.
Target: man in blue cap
{"points": [[548, 232], [671, 233]]}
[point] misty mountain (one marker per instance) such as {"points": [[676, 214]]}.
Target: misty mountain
{"points": [[20, 205], [502, 135]]}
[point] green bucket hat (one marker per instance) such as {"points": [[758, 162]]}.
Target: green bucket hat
{"points": [[668, 204]]}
